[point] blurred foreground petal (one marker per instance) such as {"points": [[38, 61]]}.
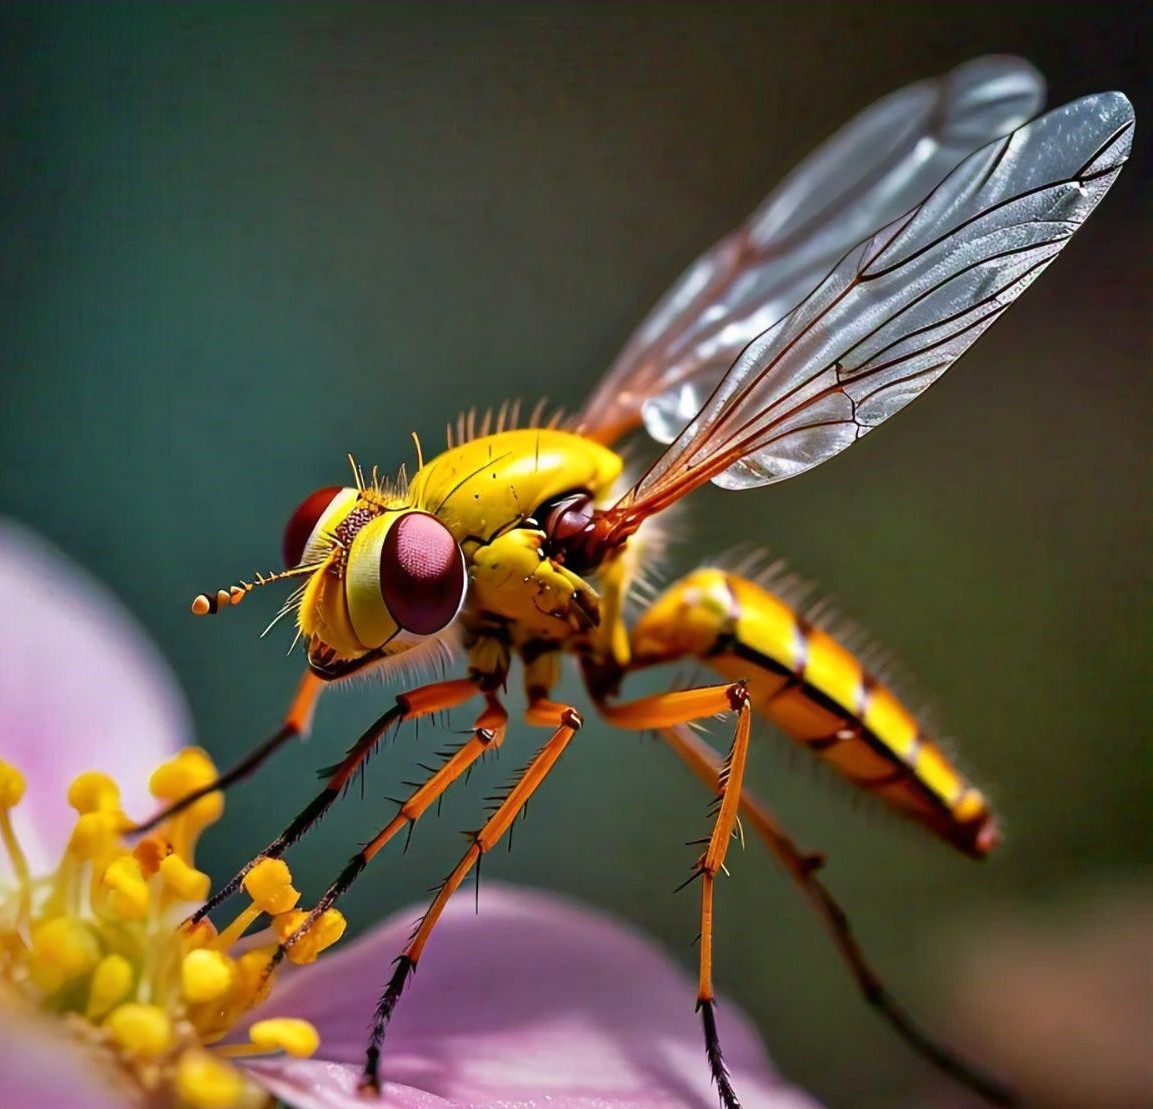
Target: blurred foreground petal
{"points": [[40, 1069], [80, 687], [532, 999]]}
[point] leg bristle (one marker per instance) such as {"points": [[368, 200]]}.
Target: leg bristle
{"points": [[720, 1072], [370, 1075]]}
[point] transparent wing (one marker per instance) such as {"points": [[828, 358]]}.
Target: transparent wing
{"points": [[875, 168], [898, 309]]}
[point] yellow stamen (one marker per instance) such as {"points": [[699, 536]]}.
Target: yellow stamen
{"points": [[208, 810], [140, 1029], [297, 1037], [253, 981], [201, 934], [64, 896], [11, 786], [63, 949], [206, 1082], [150, 852], [329, 927], [96, 940], [206, 975], [11, 793], [269, 884], [111, 983], [244, 920], [129, 896], [94, 834], [94, 791], [189, 770], [94, 840], [186, 771], [186, 882]]}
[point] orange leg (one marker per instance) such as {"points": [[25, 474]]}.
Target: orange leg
{"points": [[422, 701], [666, 710], [567, 722], [488, 734], [802, 866], [297, 722]]}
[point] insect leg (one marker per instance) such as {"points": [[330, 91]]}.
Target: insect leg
{"points": [[297, 722], [488, 734], [663, 711], [818, 693], [567, 722], [802, 866], [422, 701]]}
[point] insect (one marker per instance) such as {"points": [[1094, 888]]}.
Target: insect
{"points": [[853, 287]]}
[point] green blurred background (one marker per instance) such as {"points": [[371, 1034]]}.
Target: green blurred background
{"points": [[243, 240]]}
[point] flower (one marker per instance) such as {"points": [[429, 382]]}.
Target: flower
{"points": [[104, 1002], [521, 999], [91, 948]]}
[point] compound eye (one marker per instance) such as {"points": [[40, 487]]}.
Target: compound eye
{"points": [[568, 517], [303, 523], [422, 578]]}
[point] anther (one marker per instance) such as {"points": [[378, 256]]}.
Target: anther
{"points": [[140, 1029], [206, 1082], [188, 883], [129, 894], [92, 834], [296, 1037], [252, 979], [206, 975], [111, 982], [11, 786], [63, 949], [306, 945], [150, 852], [186, 771], [269, 884], [190, 771], [94, 791]]}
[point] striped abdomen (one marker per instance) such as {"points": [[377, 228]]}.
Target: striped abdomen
{"points": [[818, 693]]}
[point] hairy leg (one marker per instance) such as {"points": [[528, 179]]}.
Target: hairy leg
{"points": [[802, 867]]}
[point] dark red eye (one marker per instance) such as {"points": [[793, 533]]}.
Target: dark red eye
{"points": [[421, 573], [567, 518], [303, 523]]}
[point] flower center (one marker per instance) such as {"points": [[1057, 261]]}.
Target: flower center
{"points": [[98, 942]]}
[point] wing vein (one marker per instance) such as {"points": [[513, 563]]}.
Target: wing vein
{"points": [[897, 310]]}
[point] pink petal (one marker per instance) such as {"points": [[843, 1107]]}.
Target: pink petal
{"points": [[41, 1069], [317, 1084], [81, 688], [533, 998]]}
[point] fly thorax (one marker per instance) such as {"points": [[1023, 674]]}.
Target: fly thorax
{"points": [[516, 582]]}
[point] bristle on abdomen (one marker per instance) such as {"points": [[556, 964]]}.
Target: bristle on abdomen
{"points": [[819, 694]]}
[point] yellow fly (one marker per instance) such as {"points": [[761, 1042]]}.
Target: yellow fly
{"points": [[778, 348]]}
